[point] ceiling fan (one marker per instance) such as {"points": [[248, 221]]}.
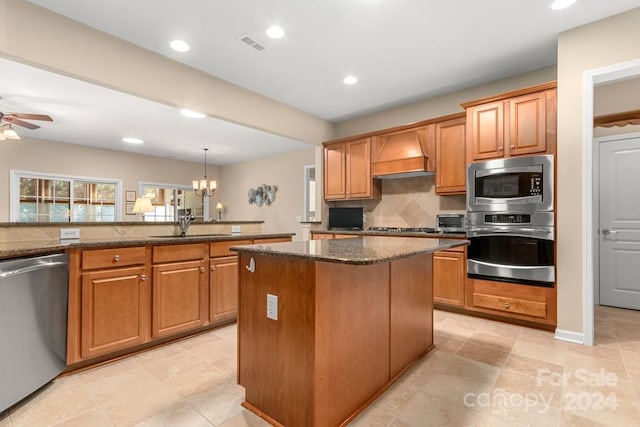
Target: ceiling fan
{"points": [[16, 119]]}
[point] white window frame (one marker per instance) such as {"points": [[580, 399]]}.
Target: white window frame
{"points": [[14, 189]]}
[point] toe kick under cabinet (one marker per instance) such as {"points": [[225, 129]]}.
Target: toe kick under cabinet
{"points": [[125, 299]]}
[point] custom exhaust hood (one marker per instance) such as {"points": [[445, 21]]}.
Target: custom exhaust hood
{"points": [[404, 153]]}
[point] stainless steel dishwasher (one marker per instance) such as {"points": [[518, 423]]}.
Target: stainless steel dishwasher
{"points": [[33, 324]]}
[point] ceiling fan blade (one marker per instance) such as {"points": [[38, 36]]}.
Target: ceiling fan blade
{"points": [[18, 122], [31, 116]]}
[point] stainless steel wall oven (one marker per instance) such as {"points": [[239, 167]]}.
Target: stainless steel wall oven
{"points": [[517, 248], [510, 220]]}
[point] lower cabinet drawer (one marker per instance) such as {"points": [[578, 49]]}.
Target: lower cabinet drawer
{"points": [[113, 257], [525, 302], [510, 305], [222, 248]]}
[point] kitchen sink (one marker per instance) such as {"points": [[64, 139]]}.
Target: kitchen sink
{"points": [[174, 236]]}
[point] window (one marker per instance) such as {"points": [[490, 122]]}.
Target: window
{"points": [[54, 198], [168, 198]]}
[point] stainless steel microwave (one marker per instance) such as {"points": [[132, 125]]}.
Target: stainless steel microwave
{"points": [[514, 184]]}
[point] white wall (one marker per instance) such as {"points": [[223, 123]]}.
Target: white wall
{"points": [[286, 171], [600, 44]]}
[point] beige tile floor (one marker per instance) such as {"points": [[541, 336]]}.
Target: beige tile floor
{"points": [[482, 373]]}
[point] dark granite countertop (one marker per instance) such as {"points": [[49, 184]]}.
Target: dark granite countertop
{"points": [[13, 249], [435, 235], [359, 250]]}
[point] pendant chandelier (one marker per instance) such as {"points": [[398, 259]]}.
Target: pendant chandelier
{"points": [[204, 187]]}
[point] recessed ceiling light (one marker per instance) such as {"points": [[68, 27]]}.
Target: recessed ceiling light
{"points": [[192, 114], [561, 4], [130, 140], [179, 46], [275, 32], [349, 80]]}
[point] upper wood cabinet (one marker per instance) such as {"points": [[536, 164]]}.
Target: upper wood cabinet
{"points": [[450, 156], [517, 123], [347, 171]]}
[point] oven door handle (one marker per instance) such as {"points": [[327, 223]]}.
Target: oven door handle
{"points": [[524, 231]]}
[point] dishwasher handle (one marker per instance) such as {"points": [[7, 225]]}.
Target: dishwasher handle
{"points": [[29, 268]]}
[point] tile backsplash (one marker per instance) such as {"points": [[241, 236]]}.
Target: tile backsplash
{"points": [[407, 202]]}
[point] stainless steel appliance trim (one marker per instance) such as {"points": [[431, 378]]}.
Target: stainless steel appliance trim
{"points": [[482, 172], [528, 273]]}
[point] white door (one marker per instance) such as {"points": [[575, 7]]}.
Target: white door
{"points": [[620, 223]]}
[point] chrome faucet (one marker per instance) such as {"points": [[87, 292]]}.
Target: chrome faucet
{"points": [[184, 221]]}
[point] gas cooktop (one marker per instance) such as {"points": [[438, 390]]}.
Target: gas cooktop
{"points": [[404, 229]]}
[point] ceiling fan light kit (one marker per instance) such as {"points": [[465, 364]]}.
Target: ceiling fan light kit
{"points": [[7, 120]]}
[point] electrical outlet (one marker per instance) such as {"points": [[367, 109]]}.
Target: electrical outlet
{"points": [[272, 307], [235, 228], [69, 233]]}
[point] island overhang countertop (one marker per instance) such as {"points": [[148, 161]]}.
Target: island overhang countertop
{"points": [[357, 250]]}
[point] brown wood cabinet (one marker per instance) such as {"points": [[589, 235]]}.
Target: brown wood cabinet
{"points": [[451, 167], [449, 276], [516, 123], [530, 303], [112, 293], [347, 171], [223, 288], [404, 150], [180, 288]]}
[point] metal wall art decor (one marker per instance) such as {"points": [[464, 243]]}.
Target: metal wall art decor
{"points": [[263, 194]]}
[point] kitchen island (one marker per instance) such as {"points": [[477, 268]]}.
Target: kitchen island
{"points": [[325, 326]]}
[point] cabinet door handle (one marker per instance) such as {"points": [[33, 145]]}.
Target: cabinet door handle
{"points": [[506, 305], [143, 277], [202, 269], [512, 146], [213, 267], [116, 258], [500, 148]]}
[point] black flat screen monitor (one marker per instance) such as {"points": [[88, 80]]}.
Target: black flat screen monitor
{"points": [[345, 218]]}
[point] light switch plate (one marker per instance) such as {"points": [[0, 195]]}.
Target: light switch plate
{"points": [[235, 228], [69, 233], [272, 307]]}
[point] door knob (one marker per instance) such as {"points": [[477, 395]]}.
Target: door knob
{"points": [[252, 265]]}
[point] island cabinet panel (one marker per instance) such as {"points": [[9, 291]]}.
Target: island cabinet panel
{"points": [[343, 333], [180, 297], [411, 311], [276, 357], [352, 362], [115, 311]]}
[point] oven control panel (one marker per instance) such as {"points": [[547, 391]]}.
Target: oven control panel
{"points": [[507, 219]]}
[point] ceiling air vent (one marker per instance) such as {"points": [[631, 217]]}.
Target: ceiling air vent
{"points": [[250, 41]]}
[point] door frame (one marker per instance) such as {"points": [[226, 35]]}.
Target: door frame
{"points": [[591, 78]]}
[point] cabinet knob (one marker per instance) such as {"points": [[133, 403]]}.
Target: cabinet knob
{"points": [[512, 146], [506, 305], [438, 186], [213, 267], [500, 148], [143, 277], [116, 258], [202, 269]]}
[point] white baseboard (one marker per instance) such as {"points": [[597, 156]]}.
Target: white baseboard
{"points": [[569, 336]]}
